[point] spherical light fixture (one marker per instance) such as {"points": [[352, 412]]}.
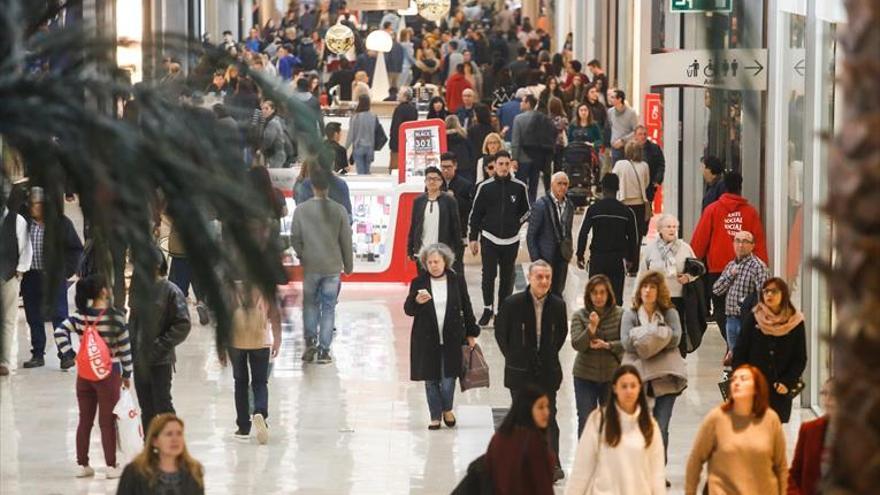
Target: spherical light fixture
{"points": [[379, 41], [339, 39], [433, 10]]}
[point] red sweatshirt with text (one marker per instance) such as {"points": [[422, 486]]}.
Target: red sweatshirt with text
{"points": [[720, 221]]}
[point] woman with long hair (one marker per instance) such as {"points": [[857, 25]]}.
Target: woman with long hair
{"points": [[437, 108], [165, 465], [650, 332], [620, 451], [518, 459], [556, 112], [575, 94], [742, 441], [773, 338], [94, 393], [361, 138], [551, 89], [492, 144], [595, 335], [583, 129]]}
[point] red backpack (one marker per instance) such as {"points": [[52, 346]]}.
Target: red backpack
{"points": [[93, 362]]}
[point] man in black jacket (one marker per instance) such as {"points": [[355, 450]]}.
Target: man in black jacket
{"points": [[434, 219], [406, 111], [531, 328], [37, 279], [459, 188], [549, 236], [615, 237], [501, 206], [159, 322], [653, 155]]}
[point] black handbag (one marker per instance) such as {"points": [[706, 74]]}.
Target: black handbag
{"points": [[379, 137], [694, 267]]}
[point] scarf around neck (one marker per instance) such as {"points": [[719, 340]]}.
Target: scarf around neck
{"points": [[776, 325], [667, 250]]}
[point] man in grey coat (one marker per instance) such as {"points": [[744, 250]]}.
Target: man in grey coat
{"points": [[321, 236], [272, 144], [549, 236]]}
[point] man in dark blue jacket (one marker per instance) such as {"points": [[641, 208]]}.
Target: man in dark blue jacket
{"points": [[713, 175], [549, 235], [501, 206], [393, 58]]}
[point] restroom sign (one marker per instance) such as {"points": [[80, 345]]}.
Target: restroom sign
{"points": [[736, 69]]}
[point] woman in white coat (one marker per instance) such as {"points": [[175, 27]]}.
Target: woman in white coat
{"points": [[621, 450]]}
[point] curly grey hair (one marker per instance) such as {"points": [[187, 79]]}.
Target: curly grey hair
{"points": [[443, 250]]}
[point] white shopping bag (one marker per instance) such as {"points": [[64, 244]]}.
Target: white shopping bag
{"points": [[129, 431]]}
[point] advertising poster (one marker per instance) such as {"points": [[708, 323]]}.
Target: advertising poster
{"points": [[423, 143]]}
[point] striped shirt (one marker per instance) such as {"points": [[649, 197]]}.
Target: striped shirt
{"points": [[111, 327], [750, 275]]}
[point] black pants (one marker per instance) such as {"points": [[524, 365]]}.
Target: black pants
{"points": [[552, 426], [716, 303], [250, 370], [153, 387], [641, 220], [560, 274], [33, 296], [497, 260], [610, 265]]}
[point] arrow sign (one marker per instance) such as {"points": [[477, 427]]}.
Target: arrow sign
{"points": [[758, 66], [800, 67]]}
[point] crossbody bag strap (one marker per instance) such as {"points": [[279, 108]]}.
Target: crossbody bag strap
{"points": [[638, 179]]}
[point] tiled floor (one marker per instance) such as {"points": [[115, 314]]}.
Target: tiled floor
{"points": [[357, 426]]}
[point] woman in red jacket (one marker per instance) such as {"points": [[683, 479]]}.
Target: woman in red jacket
{"points": [[518, 459], [811, 451]]}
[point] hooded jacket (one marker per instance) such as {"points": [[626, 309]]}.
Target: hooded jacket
{"points": [[719, 223], [455, 85]]}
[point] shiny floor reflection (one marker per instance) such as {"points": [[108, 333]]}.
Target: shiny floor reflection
{"points": [[356, 426]]}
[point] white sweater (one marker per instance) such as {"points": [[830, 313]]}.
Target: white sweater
{"points": [[627, 469]]}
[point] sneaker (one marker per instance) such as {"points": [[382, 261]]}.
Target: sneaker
{"points": [[487, 316], [262, 428], [4, 371], [67, 363], [83, 471], [241, 436], [324, 357], [204, 315], [310, 352], [34, 362], [113, 472], [558, 474]]}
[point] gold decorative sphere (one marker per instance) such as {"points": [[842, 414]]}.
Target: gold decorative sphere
{"points": [[433, 10], [339, 39]]}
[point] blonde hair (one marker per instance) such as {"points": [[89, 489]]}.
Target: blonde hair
{"points": [[454, 125], [147, 462], [634, 151], [489, 137]]}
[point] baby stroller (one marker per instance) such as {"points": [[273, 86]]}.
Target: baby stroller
{"points": [[581, 162]]}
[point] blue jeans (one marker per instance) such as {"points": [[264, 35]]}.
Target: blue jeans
{"points": [[440, 393], [32, 295], [734, 325], [363, 158], [250, 370], [181, 275], [319, 307], [587, 396], [663, 414]]}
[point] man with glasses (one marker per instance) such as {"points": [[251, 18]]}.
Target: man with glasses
{"points": [[740, 281], [434, 219]]}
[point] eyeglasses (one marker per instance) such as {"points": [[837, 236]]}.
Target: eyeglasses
{"points": [[433, 179], [771, 291]]}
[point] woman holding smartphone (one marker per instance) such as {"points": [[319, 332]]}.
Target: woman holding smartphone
{"points": [[443, 320]]}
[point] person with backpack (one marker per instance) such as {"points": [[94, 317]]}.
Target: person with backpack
{"points": [[621, 450], [365, 136], [104, 365]]}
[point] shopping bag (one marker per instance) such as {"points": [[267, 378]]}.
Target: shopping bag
{"points": [[474, 369], [130, 432], [93, 362]]}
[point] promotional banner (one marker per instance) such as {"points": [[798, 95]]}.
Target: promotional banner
{"points": [[423, 143]]}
